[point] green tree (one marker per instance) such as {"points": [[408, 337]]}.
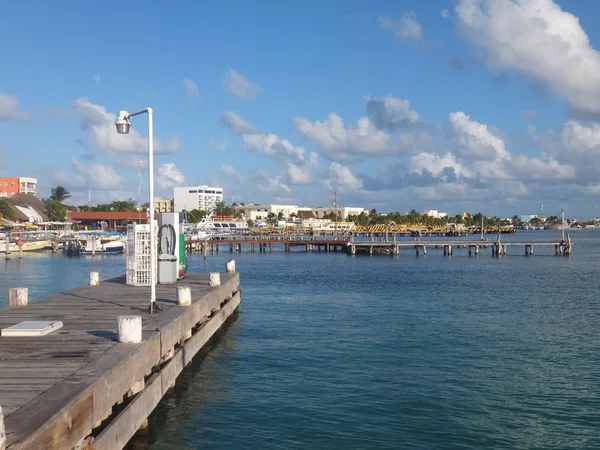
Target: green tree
{"points": [[55, 210], [271, 218], [60, 194], [6, 210]]}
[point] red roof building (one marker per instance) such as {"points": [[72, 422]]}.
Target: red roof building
{"points": [[137, 216]]}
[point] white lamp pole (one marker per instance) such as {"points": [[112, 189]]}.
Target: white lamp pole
{"points": [[123, 126]]}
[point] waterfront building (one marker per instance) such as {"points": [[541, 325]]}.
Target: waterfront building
{"points": [[10, 186], [189, 198], [435, 214], [343, 211], [163, 205], [261, 212], [107, 220]]}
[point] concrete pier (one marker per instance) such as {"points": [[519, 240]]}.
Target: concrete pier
{"points": [[79, 387]]}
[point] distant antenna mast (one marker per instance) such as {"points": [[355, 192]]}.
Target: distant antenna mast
{"points": [[336, 212], [90, 197], [562, 223]]}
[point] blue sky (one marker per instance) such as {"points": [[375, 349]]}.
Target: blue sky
{"points": [[467, 105]]}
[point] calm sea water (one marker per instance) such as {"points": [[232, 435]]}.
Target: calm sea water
{"points": [[333, 351]]}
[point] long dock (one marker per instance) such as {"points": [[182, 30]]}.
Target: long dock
{"points": [[79, 387], [562, 247]]}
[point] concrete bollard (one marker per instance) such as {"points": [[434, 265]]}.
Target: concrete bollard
{"points": [[129, 329], [94, 279], [184, 295], [2, 431], [18, 296], [215, 279], [230, 265]]}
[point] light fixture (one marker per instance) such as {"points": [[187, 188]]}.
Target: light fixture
{"points": [[123, 125]]}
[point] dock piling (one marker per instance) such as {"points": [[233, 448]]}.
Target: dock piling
{"points": [[94, 279], [129, 329], [7, 251], [2, 431], [184, 295], [230, 266], [18, 297], [215, 279]]}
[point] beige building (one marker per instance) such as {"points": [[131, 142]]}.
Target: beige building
{"points": [[163, 205]]}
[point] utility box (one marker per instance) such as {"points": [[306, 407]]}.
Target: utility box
{"points": [[168, 248]]}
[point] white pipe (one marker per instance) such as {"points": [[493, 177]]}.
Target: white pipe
{"points": [[151, 195]]}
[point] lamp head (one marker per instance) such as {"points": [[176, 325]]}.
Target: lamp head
{"points": [[123, 125]]}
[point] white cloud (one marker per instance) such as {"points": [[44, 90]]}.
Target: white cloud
{"points": [[339, 143], [475, 140], [390, 113], [342, 179], [445, 13], [169, 176], [94, 176], [236, 124], [231, 173], [10, 110], [191, 90], [219, 146], [96, 78], [435, 164], [536, 37], [406, 28], [240, 87], [99, 127], [292, 159], [273, 186]]}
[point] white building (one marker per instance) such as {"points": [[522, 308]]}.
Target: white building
{"points": [[343, 211], [27, 185], [260, 212], [435, 214], [204, 198]]}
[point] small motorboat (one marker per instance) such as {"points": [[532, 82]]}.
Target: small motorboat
{"points": [[95, 246]]}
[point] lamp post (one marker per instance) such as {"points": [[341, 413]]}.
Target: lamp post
{"points": [[123, 126]]}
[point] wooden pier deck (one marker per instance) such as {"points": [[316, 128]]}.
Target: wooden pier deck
{"points": [[562, 247], [79, 387], [262, 244]]}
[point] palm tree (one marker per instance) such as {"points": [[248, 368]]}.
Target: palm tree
{"points": [[60, 194]]}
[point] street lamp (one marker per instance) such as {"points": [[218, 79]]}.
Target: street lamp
{"points": [[123, 126]]}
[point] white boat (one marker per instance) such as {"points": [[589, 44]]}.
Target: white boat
{"points": [[95, 246]]}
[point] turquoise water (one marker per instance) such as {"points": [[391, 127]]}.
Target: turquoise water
{"points": [[332, 351]]}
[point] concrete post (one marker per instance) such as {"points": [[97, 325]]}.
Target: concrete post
{"points": [[215, 279], [424, 250], [230, 266], [2, 431], [129, 329], [18, 296], [7, 251], [184, 296], [94, 279]]}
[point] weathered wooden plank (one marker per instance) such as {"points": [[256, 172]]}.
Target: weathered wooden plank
{"points": [[43, 424], [119, 432]]}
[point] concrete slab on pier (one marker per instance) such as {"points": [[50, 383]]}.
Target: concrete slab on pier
{"points": [[73, 384]]}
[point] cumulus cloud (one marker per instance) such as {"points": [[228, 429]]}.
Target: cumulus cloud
{"points": [[475, 140], [236, 124], [169, 176], [293, 160], [231, 173], [191, 90], [219, 146], [10, 109], [406, 28], [94, 176], [390, 113], [240, 87], [539, 38], [271, 186], [340, 143], [341, 179], [100, 132]]}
